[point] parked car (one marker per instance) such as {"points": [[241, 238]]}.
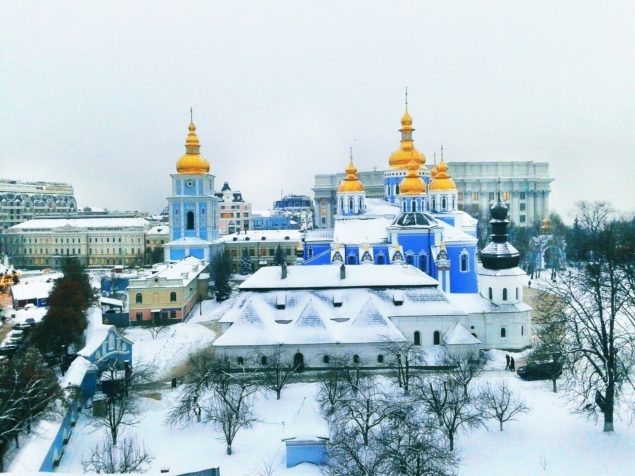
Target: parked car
{"points": [[30, 321], [8, 349], [540, 370], [22, 326]]}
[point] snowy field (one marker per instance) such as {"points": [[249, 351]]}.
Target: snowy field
{"points": [[548, 440]]}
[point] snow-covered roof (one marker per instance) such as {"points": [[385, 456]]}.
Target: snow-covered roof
{"points": [[80, 222], [159, 230], [76, 372], [308, 318], [459, 335], [188, 241], [263, 235], [362, 229], [31, 290], [328, 276], [452, 234], [319, 234], [98, 336], [110, 301], [183, 271]]}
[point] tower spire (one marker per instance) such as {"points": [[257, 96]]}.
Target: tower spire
{"points": [[191, 115], [406, 98]]}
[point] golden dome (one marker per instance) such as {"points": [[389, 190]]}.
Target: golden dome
{"points": [[351, 182], [192, 162], [412, 184], [400, 158], [434, 172], [442, 180]]}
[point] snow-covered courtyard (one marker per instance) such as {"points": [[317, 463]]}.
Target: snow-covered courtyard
{"points": [[547, 440]]}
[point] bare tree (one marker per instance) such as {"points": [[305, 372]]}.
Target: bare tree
{"points": [[402, 355], [447, 401], [410, 445], [203, 370], [333, 387], [464, 369], [549, 334], [365, 409], [130, 457], [497, 402], [348, 455], [121, 411], [597, 320], [276, 371], [230, 408], [593, 216]]}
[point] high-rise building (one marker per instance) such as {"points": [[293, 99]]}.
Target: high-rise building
{"points": [[21, 201]]}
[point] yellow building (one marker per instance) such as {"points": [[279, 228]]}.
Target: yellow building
{"points": [[168, 294]]}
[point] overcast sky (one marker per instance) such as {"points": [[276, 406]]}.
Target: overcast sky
{"points": [[97, 94]]}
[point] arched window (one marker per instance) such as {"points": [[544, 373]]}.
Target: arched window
{"points": [[434, 203], [356, 359], [464, 261], [503, 332], [326, 359], [413, 206], [453, 203], [351, 259], [436, 338], [240, 361], [517, 293], [360, 205], [417, 338], [139, 298], [172, 296], [444, 204], [351, 204], [423, 262], [403, 206], [397, 189], [504, 294], [190, 220], [410, 259], [380, 259], [490, 293], [380, 359], [341, 205], [298, 361], [263, 360], [522, 330]]}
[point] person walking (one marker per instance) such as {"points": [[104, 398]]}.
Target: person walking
{"points": [[507, 360], [512, 364]]}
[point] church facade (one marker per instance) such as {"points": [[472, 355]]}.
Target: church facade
{"points": [[417, 217]]}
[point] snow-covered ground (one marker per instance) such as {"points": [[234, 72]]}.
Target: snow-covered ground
{"points": [[548, 440], [171, 347]]}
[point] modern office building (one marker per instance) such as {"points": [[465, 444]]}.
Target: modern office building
{"points": [[21, 201]]}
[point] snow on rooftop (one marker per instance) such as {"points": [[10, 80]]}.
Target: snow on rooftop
{"points": [[188, 241], [75, 373], [31, 290], [459, 335], [159, 230], [452, 234], [92, 222], [328, 276], [263, 235], [186, 270]]}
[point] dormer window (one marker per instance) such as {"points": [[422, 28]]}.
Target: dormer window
{"points": [[337, 299], [281, 301], [397, 298]]}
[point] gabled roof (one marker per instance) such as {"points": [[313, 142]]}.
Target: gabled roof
{"points": [[459, 335]]}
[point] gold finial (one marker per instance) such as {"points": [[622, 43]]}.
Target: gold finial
{"points": [[191, 115], [443, 246], [441, 152]]}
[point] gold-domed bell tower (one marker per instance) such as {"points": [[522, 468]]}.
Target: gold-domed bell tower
{"points": [[351, 197], [399, 159], [193, 205]]}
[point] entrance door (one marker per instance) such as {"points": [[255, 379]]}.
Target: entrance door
{"points": [[298, 361]]}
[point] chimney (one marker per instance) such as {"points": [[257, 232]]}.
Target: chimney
{"points": [[342, 271], [284, 270]]}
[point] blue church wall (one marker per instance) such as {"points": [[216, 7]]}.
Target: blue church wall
{"points": [[381, 255], [177, 254], [462, 281]]}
